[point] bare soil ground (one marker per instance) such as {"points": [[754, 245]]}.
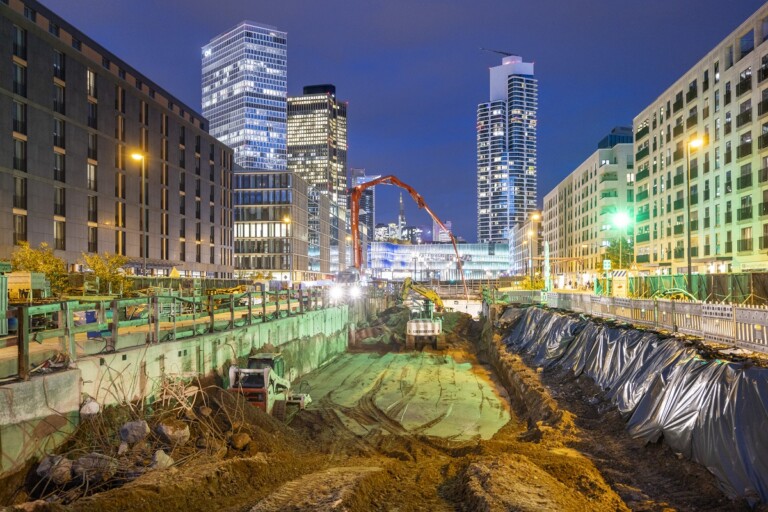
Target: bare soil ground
{"points": [[398, 431]]}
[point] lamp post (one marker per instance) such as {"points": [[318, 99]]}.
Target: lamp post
{"points": [[143, 204], [287, 222], [530, 255], [621, 221], [535, 218], [695, 144]]}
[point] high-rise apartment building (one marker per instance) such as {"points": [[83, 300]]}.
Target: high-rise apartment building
{"points": [[317, 151], [702, 162], [67, 176], [506, 150], [244, 91], [579, 215]]}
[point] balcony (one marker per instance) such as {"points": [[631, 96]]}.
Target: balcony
{"points": [[743, 118], [691, 121], [678, 154], [691, 95], [728, 186], [744, 213], [705, 113], [706, 194], [706, 250], [762, 141], [694, 252], [762, 74], [728, 157], [728, 247], [744, 181], [744, 245], [706, 222], [609, 176], [762, 209], [694, 199], [706, 166], [678, 229], [641, 196], [642, 216], [642, 153], [642, 132], [643, 258], [744, 85], [641, 175], [678, 204], [678, 179], [727, 97], [678, 130], [695, 225], [677, 105], [679, 253], [744, 150], [728, 217], [609, 194], [727, 127], [642, 237], [693, 172], [762, 108]]}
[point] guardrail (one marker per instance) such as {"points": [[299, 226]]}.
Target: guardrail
{"points": [[738, 325], [76, 329]]}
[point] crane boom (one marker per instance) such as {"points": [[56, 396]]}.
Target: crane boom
{"points": [[357, 192]]}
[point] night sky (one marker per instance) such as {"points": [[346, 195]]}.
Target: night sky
{"points": [[413, 73]]}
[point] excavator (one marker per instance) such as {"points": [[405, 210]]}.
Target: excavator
{"points": [[423, 328], [265, 385]]}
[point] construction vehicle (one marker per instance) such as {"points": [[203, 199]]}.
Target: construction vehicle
{"points": [[348, 284], [423, 328], [265, 385]]}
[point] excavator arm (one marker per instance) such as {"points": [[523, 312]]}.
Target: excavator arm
{"points": [[355, 195], [409, 285]]}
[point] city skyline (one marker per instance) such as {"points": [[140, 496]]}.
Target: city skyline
{"points": [[606, 72]]}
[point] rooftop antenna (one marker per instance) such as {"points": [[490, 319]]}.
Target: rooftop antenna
{"points": [[506, 54]]}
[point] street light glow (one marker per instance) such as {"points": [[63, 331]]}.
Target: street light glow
{"points": [[621, 220], [696, 143], [137, 156]]}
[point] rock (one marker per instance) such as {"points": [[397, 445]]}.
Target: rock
{"points": [[201, 443], [141, 449], [240, 441], [122, 448], [94, 468], [90, 407], [161, 460], [134, 431], [31, 506], [205, 411], [173, 432], [55, 468]]}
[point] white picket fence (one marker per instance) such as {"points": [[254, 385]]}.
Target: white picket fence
{"points": [[738, 325]]}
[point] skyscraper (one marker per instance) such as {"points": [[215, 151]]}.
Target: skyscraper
{"points": [[367, 200], [245, 84], [506, 150], [244, 88], [317, 152]]}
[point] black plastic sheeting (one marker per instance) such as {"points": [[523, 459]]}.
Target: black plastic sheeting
{"points": [[712, 411]]}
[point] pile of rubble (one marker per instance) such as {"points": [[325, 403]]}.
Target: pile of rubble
{"points": [[119, 444]]}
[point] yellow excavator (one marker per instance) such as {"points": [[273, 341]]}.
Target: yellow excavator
{"points": [[423, 328]]}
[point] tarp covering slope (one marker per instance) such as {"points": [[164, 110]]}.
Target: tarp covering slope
{"points": [[713, 411]]}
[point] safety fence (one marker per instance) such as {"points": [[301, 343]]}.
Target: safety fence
{"points": [[738, 325], [55, 334]]}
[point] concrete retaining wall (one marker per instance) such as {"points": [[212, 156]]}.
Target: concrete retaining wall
{"points": [[37, 415]]}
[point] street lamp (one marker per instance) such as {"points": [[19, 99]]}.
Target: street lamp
{"points": [[530, 255], [287, 222], [621, 221], [695, 144], [144, 246]]}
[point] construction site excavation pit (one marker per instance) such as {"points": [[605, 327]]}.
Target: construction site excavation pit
{"points": [[471, 427]]}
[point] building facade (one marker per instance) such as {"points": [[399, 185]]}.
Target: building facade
{"points": [[506, 150], [67, 176], [425, 262], [244, 95], [317, 151], [579, 215], [367, 200], [702, 159]]}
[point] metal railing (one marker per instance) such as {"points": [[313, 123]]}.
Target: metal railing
{"points": [[732, 324], [77, 329]]}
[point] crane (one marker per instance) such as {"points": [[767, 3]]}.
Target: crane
{"points": [[506, 54], [355, 195]]}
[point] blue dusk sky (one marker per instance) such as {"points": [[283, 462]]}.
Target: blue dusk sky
{"points": [[413, 72]]}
